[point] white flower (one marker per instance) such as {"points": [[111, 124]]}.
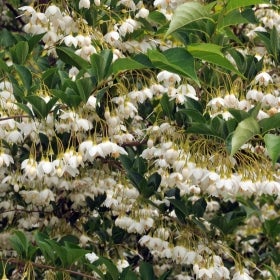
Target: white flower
{"points": [[29, 167], [84, 4], [168, 78], [128, 26], [70, 40], [142, 13], [121, 264], [242, 275], [263, 79], [91, 257], [45, 167], [5, 159], [111, 37]]}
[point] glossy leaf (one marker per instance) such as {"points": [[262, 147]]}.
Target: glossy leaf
{"points": [[237, 4], [270, 123], [171, 60], [101, 63], [272, 144], [124, 64], [186, 14], [69, 57], [244, 132], [212, 54]]}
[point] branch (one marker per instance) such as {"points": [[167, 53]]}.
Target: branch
{"points": [[44, 266]]}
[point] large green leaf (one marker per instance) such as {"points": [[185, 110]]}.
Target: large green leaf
{"points": [[267, 124], [245, 131], [211, 53], [237, 4], [124, 64], [272, 144], [186, 14], [233, 18], [176, 60]]}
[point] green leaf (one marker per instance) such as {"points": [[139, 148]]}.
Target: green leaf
{"points": [[20, 243], [237, 4], [233, 18], [137, 180], [273, 273], [19, 52], [146, 271], [253, 112], [124, 64], [4, 66], [272, 144], [168, 107], [74, 254], [185, 14], [203, 129], [47, 251], [245, 131], [212, 54], [199, 207], [176, 60], [69, 97], [111, 268], [272, 227], [69, 57], [152, 185], [100, 64], [267, 124], [85, 88], [39, 106], [26, 109], [25, 75], [60, 251], [239, 115], [34, 40]]}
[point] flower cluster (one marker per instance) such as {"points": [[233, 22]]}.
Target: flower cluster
{"points": [[134, 158]]}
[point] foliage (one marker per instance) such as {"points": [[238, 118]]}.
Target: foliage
{"points": [[140, 140]]}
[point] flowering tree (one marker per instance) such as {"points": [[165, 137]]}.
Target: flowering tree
{"points": [[140, 140]]}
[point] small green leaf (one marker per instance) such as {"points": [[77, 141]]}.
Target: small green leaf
{"points": [[85, 88], [4, 66], [39, 105], [25, 75], [20, 243], [239, 115], [168, 107], [101, 64], [245, 131], [146, 271], [272, 144], [19, 52], [187, 13], [111, 268], [34, 40]]}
